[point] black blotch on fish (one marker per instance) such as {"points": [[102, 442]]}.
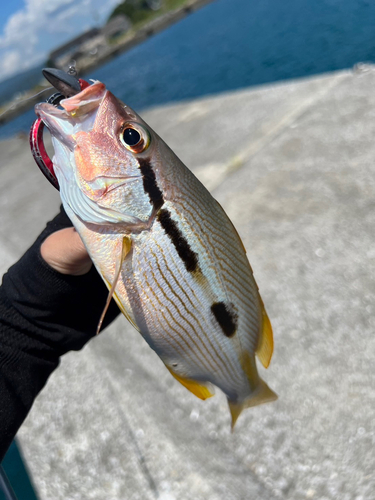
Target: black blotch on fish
{"points": [[226, 317], [187, 255], [149, 183]]}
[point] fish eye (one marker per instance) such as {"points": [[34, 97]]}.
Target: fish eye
{"points": [[131, 137], [134, 137]]}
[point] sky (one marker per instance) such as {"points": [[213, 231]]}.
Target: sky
{"points": [[30, 29]]}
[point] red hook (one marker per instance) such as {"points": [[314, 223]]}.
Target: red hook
{"points": [[38, 149]]}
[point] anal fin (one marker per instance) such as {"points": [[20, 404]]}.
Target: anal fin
{"points": [[198, 389]]}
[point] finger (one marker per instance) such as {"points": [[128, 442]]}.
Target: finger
{"points": [[65, 252]]}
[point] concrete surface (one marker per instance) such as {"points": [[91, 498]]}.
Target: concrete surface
{"points": [[293, 166]]}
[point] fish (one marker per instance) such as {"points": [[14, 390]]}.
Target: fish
{"points": [[168, 253]]}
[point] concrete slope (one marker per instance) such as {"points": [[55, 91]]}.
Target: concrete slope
{"points": [[293, 166]]}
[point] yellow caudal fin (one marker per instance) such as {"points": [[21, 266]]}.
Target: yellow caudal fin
{"points": [[265, 345], [198, 389], [263, 394], [260, 392]]}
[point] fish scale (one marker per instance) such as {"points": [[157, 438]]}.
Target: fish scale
{"points": [[174, 324], [165, 248], [233, 283], [183, 317]]}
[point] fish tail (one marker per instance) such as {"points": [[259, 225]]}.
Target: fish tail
{"points": [[263, 394], [260, 392]]}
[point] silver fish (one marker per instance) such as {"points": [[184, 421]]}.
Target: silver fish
{"points": [[167, 251]]}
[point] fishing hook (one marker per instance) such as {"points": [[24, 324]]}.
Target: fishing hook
{"points": [[67, 85]]}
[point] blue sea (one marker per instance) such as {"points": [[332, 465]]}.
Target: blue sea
{"points": [[232, 44]]}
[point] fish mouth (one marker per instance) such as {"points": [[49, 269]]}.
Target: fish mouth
{"points": [[78, 113]]}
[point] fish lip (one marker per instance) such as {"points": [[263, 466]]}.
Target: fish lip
{"points": [[86, 101]]}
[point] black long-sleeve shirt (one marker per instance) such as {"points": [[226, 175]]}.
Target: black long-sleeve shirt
{"points": [[43, 315]]}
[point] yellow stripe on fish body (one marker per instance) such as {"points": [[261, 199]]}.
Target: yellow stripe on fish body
{"points": [[185, 281]]}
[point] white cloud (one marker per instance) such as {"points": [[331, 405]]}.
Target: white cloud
{"points": [[32, 32], [9, 61]]}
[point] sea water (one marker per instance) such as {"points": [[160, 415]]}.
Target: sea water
{"points": [[232, 44]]}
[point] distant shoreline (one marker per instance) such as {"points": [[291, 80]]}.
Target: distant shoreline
{"points": [[87, 64]]}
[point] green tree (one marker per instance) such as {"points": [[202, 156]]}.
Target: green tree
{"points": [[136, 10]]}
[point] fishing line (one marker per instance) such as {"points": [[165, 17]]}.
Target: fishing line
{"points": [[16, 104]]}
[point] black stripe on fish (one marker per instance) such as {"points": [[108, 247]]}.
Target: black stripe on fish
{"points": [[187, 255], [226, 317], [149, 183]]}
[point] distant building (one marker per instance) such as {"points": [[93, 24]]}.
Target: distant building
{"points": [[71, 46], [90, 44]]}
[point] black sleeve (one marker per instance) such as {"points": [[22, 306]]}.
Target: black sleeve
{"points": [[43, 314]]}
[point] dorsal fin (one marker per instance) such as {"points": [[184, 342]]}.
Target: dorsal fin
{"points": [[265, 345]]}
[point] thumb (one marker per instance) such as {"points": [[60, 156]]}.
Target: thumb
{"points": [[65, 252]]}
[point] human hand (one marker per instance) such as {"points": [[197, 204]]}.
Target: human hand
{"points": [[65, 252]]}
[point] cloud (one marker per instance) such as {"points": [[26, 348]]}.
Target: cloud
{"points": [[9, 61], [42, 25]]}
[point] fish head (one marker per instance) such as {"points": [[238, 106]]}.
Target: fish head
{"points": [[98, 143]]}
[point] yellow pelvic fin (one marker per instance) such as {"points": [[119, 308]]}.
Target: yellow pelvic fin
{"points": [[265, 345], [198, 389], [260, 392], [125, 249]]}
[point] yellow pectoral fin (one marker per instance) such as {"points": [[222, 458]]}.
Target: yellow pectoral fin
{"points": [[199, 390], [265, 346]]}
